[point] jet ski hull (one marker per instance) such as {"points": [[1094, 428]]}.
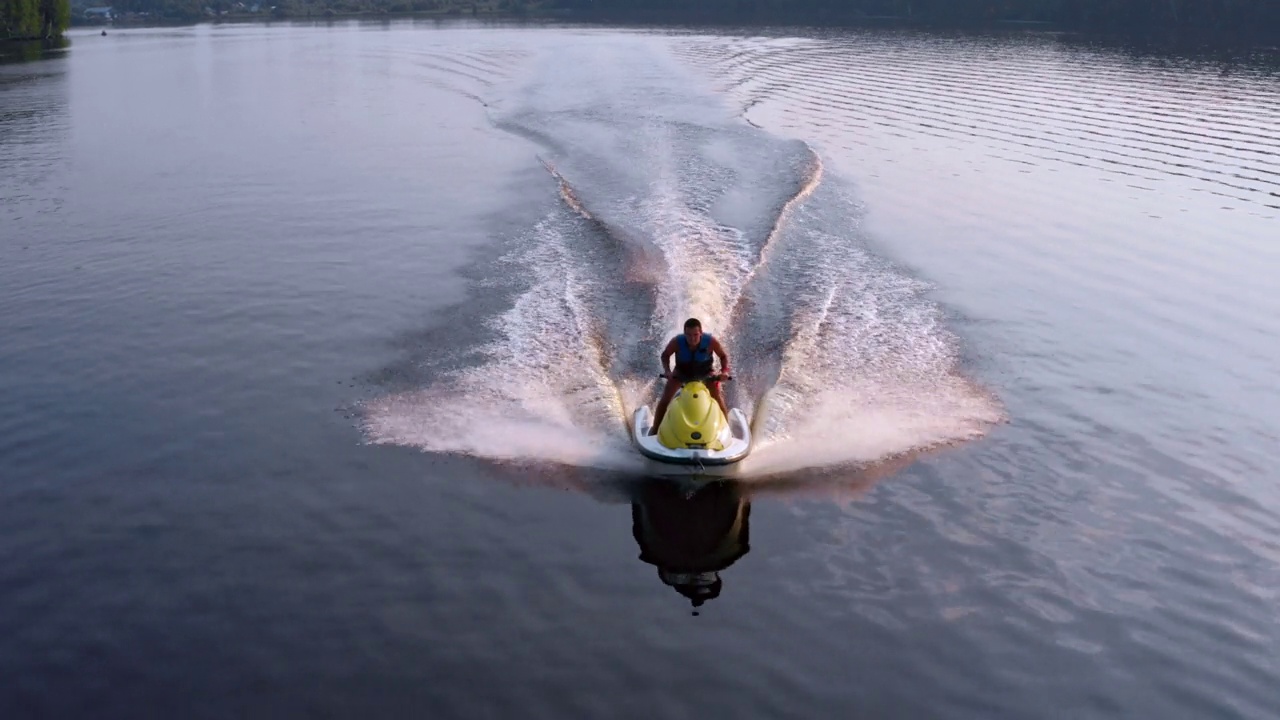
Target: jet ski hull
{"points": [[735, 438]]}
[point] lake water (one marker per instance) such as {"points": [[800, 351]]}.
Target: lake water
{"points": [[319, 343]]}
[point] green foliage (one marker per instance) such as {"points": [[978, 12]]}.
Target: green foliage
{"points": [[56, 14], [34, 18], [1247, 17], [37, 18]]}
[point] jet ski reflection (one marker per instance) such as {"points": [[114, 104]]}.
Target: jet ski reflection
{"points": [[691, 534]]}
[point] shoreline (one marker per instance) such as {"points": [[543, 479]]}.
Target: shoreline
{"points": [[1154, 39]]}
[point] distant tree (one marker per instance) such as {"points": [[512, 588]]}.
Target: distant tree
{"points": [[22, 19], [55, 16], [1243, 17], [31, 19]]}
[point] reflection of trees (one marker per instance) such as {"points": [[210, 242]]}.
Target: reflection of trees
{"points": [[30, 50], [34, 127]]}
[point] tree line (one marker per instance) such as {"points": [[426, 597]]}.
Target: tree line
{"points": [[1243, 16], [34, 19], [171, 9]]}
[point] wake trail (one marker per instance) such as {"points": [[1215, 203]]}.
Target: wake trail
{"points": [[667, 207], [811, 182]]}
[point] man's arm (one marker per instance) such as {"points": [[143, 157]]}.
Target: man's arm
{"points": [[666, 355], [718, 349]]}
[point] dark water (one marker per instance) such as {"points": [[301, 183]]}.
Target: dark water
{"points": [[318, 344]]}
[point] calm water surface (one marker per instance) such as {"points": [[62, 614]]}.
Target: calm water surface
{"points": [[318, 343]]}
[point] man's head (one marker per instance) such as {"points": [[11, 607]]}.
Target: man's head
{"points": [[693, 331]]}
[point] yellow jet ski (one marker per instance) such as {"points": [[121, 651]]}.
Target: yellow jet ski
{"points": [[694, 431]]}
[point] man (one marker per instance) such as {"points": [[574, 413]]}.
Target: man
{"points": [[693, 352]]}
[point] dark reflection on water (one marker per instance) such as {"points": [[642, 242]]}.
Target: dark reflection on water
{"points": [[691, 529], [31, 50], [1225, 49], [692, 535]]}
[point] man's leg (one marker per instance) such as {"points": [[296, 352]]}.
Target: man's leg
{"points": [[719, 396], [667, 393]]}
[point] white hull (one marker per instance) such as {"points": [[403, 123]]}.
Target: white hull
{"points": [[736, 438]]}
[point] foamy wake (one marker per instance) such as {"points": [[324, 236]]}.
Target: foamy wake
{"points": [[867, 370], [540, 396], [547, 391]]}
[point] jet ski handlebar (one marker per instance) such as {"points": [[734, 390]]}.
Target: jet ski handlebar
{"points": [[708, 378]]}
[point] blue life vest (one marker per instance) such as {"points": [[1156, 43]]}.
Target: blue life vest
{"points": [[693, 361]]}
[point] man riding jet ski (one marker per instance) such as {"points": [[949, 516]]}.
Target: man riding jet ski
{"points": [[692, 424]]}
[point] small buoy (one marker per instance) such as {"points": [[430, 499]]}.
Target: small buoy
{"points": [[104, 32]]}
